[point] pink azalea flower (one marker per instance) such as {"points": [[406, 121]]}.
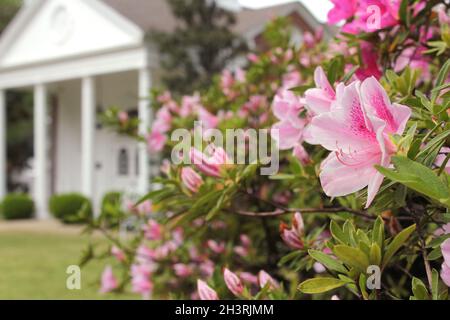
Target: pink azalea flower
{"points": [[191, 179], [445, 271], [182, 270], [264, 278], [241, 75], [165, 97], [205, 292], [445, 229], [209, 165], [441, 158], [318, 100], [209, 121], [249, 278], [241, 251], [357, 130], [343, 10], [309, 40], [207, 268], [291, 80], [301, 154], [140, 280], [234, 284], [370, 66], [245, 240], [145, 207], [189, 105], [444, 18], [156, 141], [293, 236], [253, 57], [288, 132], [216, 247], [118, 254], [162, 121], [109, 281], [152, 230]]}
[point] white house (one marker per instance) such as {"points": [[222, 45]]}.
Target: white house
{"points": [[81, 56]]}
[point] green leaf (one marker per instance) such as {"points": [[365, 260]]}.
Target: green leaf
{"points": [[337, 233], [416, 177], [375, 254], [419, 289], [352, 257], [329, 262], [320, 285], [442, 76], [396, 243], [378, 232], [435, 284]]}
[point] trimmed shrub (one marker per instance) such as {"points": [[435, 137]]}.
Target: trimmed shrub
{"points": [[111, 210], [17, 206], [71, 208]]}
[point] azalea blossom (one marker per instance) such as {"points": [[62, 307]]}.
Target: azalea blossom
{"points": [[152, 230], [209, 165], [318, 100], [445, 270], [264, 278], [109, 281], [293, 236], [156, 141], [288, 132], [343, 10], [234, 284], [191, 179], [182, 270], [140, 280], [118, 254], [441, 158], [205, 292], [357, 131]]}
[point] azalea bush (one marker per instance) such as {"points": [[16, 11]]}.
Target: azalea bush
{"points": [[360, 205]]}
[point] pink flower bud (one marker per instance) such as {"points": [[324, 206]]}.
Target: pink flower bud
{"points": [[445, 271], [301, 154], [249, 278], [264, 278], [118, 254], [233, 282], [153, 230], [216, 247], [191, 179], [205, 292], [109, 281], [209, 165]]}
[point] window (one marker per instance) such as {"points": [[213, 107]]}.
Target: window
{"points": [[124, 162]]}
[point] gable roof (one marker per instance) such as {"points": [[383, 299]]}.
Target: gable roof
{"points": [[140, 12]]}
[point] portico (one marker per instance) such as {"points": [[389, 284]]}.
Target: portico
{"points": [[123, 66]]}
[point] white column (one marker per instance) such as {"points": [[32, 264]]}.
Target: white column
{"points": [[3, 172], [40, 151], [87, 136], [145, 117]]}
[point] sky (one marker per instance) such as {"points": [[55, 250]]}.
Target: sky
{"points": [[319, 8]]}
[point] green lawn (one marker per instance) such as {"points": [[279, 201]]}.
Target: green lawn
{"points": [[33, 266]]}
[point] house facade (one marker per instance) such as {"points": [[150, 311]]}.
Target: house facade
{"points": [[81, 57]]}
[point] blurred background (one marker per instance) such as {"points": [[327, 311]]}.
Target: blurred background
{"points": [[63, 65]]}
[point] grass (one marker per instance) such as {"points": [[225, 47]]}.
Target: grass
{"points": [[33, 266]]}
